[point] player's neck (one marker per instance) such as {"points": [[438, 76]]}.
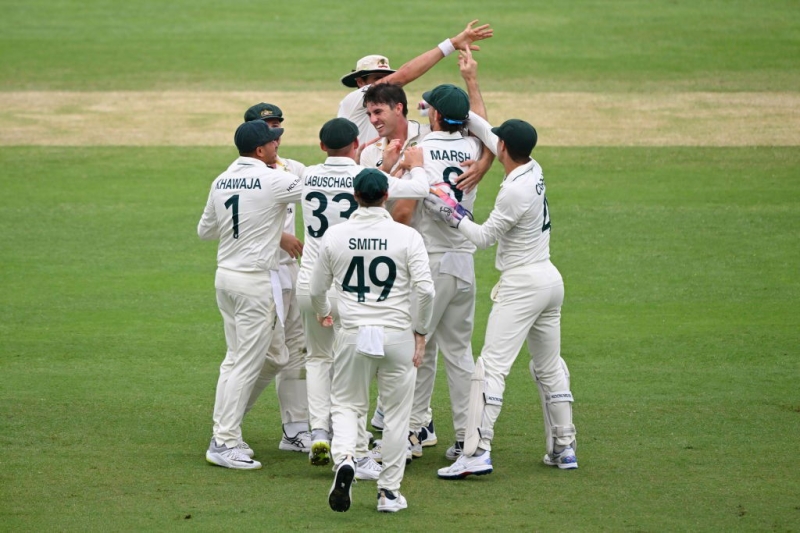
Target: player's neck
{"points": [[510, 165], [400, 132]]}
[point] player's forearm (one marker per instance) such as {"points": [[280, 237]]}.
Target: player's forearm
{"points": [[415, 68], [321, 304], [207, 228], [476, 104], [419, 268], [424, 312], [479, 127], [403, 211], [481, 235], [415, 188]]}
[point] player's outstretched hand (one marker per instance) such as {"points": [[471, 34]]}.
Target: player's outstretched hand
{"points": [[325, 321], [470, 35], [441, 203]]}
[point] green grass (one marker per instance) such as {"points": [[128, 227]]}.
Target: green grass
{"points": [[588, 45], [679, 327]]}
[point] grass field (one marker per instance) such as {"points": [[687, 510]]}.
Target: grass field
{"points": [[680, 325]]}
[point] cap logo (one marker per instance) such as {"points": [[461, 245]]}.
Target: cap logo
{"points": [[266, 112], [383, 63]]}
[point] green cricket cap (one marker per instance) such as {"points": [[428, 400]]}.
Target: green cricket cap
{"points": [[451, 101], [370, 184], [338, 133], [252, 134], [518, 135], [263, 111]]}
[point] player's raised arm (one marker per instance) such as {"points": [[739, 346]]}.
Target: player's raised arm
{"points": [[421, 64]]}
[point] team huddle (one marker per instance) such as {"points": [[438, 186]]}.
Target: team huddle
{"points": [[385, 281]]}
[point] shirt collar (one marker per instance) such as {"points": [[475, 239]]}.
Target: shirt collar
{"points": [[370, 213], [339, 161]]}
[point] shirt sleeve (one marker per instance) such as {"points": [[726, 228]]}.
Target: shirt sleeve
{"points": [[508, 209], [296, 167], [370, 157], [286, 187], [207, 228], [321, 279], [416, 187], [420, 273], [483, 131]]}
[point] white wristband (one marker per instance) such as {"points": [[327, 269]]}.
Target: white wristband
{"points": [[447, 47]]}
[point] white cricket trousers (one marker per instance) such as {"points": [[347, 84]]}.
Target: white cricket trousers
{"points": [[290, 383], [248, 316], [352, 373], [526, 306], [319, 358], [450, 332]]}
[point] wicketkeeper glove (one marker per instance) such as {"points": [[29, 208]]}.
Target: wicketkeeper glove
{"points": [[440, 202]]}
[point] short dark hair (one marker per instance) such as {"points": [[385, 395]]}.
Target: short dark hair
{"points": [[517, 156], [386, 93]]}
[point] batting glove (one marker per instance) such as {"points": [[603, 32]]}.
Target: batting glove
{"points": [[442, 204]]}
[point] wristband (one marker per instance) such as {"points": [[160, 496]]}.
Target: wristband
{"points": [[447, 47]]}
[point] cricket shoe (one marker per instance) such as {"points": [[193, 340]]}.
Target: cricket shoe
{"points": [[390, 502], [230, 457], [245, 449], [320, 454], [454, 451], [464, 466], [427, 436], [377, 419], [367, 469], [377, 455], [415, 444], [299, 443], [566, 460], [340, 493]]}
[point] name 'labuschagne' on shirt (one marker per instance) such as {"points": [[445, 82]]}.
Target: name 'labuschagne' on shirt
{"points": [[239, 183], [368, 244], [450, 155], [332, 182]]}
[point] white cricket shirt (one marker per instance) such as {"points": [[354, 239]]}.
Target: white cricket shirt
{"points": [[372, 156], [296, 168], [246, 209], [443, 153], [375, 263], [328, 201], [520, 220]]}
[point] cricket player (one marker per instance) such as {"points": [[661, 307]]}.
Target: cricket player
{"points": [[387, 108], [452, 267], [376, 264], [245, 212], [375, 69], [290, 383], [328, 200], [526, 302]]}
